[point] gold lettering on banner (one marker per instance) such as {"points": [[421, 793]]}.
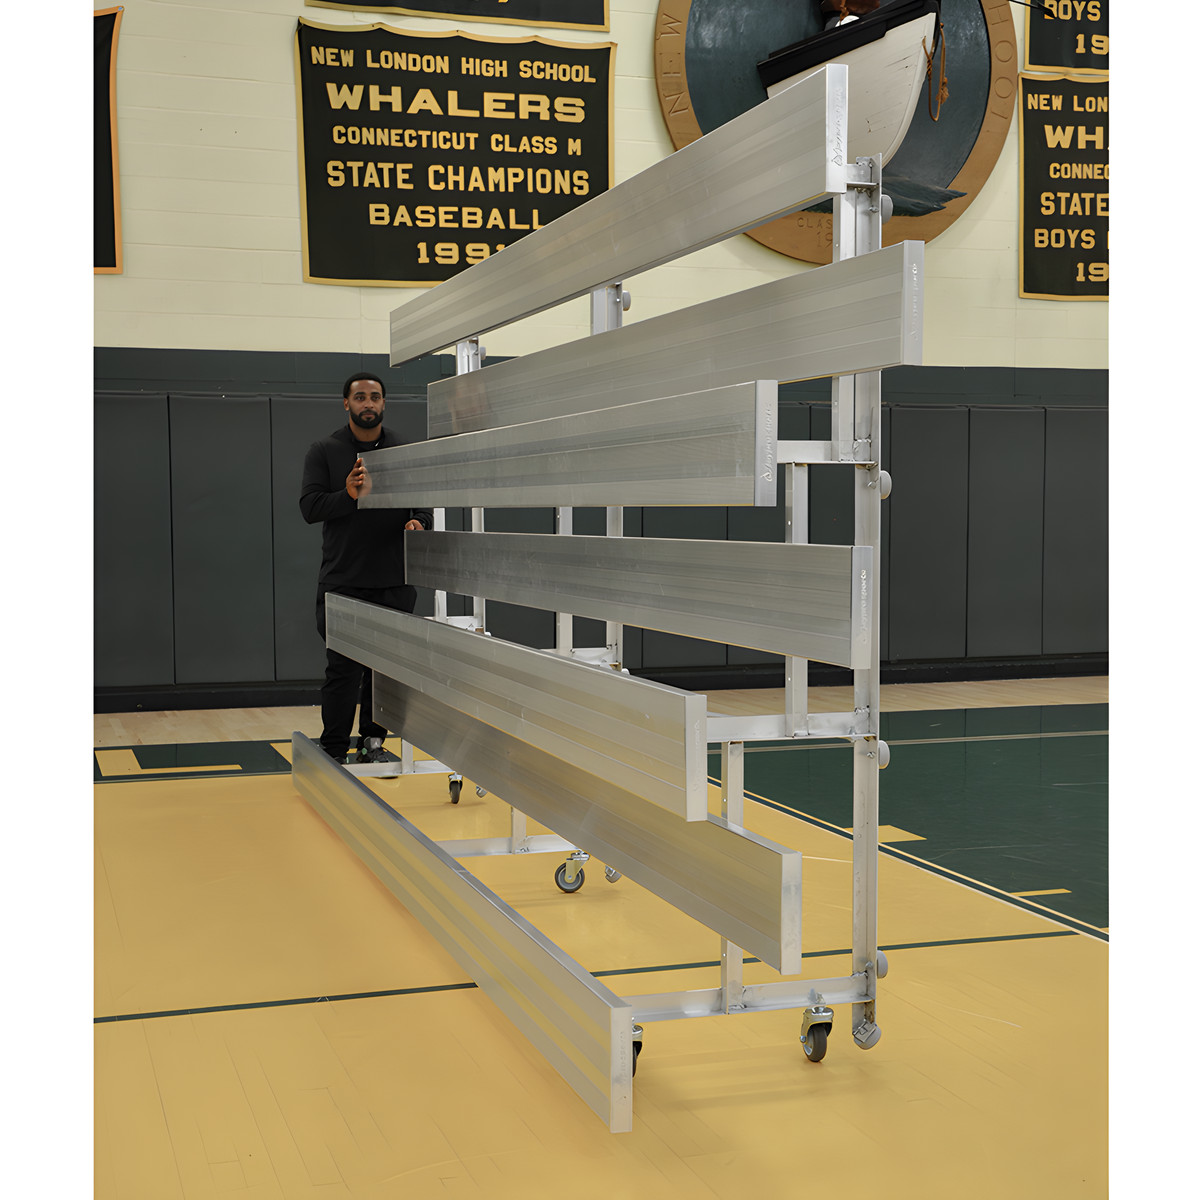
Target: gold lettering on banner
{"points": [[423, 101], [351, 97], [568, 108], [494, 105], [563, 72], [1063, 220], [458, 191], [393, 99], [453, 110]]}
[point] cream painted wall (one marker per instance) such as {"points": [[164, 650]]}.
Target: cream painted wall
{"points": [[211, 214]]}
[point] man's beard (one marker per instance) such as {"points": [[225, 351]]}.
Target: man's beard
{"points": [[366, 420]]}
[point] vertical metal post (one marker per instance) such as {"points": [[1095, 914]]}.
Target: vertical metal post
{"points": [[478, 603], [564, 623], [867, 428], [608, 309], [733, 788], [468, 356], [519, 831], [614, 631], [733, 781], [439, 598], [795, 670], [609, 304], [842, 419], [845, 228]]}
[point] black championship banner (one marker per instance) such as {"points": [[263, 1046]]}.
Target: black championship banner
{"points": [[421, 154], [1067, 35], [563, 14], [106, 193], [1064, 188]]}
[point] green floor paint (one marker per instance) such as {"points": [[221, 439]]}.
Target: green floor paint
{"points": [[1025, 810], [253, 758], [993, 722], [1022, 814]]}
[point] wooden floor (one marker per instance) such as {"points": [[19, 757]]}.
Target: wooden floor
{"points": [[274, 1024], [271, 724]]}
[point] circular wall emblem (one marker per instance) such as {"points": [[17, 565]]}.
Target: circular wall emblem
{"points": [[705, 65]]}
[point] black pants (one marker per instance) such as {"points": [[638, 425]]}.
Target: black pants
{"points": [[347, 682]]}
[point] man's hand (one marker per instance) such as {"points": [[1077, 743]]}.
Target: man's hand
{"points": [[357, 479], [414, 524]]}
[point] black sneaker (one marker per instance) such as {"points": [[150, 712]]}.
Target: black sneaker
{"points": [[370, 750]]}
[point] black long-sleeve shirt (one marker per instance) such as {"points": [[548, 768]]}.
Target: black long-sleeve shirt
{"points": [[359, 549]]}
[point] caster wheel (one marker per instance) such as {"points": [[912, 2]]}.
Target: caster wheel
{"points": [[867, 1035], [637, 1049], [611, 875], [481, 792], [455, 790], [816, 1043], [560, 878]]}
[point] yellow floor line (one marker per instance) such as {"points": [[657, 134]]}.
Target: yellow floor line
{"points": [[893, 833], [1044, 892]]}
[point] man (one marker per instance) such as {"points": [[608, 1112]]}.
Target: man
{"points": [[362, 556]]}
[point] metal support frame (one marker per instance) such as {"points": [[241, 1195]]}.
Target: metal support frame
{"points": [[614, 631], [795, 668], [855, 442], [557, 740], [733, 795], [478, 603], [609, 306], [468, 356], [858, 229], [564, 622]]}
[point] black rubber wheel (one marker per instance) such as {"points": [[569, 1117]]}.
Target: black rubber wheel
{"points": [[455, 790], [816, 1043], [637, 1049], [560, 878]]}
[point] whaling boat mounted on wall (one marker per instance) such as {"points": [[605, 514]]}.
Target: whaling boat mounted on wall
{"points": [[889, 52]]}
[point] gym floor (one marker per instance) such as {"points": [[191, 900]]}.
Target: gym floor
{"points": [[269, 1020]]}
